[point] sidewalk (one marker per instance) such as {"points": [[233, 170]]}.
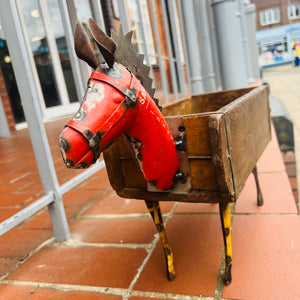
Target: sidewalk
{"points": [[114, 251]]}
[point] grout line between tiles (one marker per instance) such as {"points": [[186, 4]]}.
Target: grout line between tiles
{"points": [[23, 260], [150, 251], [169, 296], [69, 287]]}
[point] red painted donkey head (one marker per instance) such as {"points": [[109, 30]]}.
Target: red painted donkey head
{"points": [[114, 104]]}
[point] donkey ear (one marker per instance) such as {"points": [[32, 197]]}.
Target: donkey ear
{"points": [[83, 46], [105, 44]]}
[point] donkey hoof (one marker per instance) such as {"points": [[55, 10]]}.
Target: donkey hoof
{"points": [[171, 276], [260, 200]]}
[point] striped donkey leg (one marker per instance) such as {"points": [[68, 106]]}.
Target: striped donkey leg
{"points": [[155, 212]]}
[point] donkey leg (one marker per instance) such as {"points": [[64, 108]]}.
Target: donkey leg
{"points": [[260, 200], [155, 212], [226, 229]]}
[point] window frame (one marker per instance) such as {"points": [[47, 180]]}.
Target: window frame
{"points": [[270, 16]]}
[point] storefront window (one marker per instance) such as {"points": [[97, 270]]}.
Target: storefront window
{"points": [[84, 10], [273, 53], [40, 50], [63, 52], [9, 79]]}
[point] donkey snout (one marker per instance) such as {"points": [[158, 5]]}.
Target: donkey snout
{"points": [[75, 150]]}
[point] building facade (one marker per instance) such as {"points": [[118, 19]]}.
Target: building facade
{"points": [[278, 29]]}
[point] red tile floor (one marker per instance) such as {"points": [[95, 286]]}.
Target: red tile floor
{"points": [[114, 251]]}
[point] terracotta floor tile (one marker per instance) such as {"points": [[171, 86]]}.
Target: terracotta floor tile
{"points": [[113, 204], [6, 188], [6, 265], [106, 267], [277, 193], [94, 183], [43, 220], [266, 258], [80, 197], [19, 242], [5, 213], [197, 244], [15, 199], [14, 292], [271, 159], [197, 208], [124, 230]]}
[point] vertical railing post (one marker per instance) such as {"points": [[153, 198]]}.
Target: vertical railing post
{"points": [[205, 45], [98, 13], [190, 35], [80, 89], [176, 42], [29, 96]]}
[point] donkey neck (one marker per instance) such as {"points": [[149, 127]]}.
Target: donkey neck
{"points": [[153, 143]]}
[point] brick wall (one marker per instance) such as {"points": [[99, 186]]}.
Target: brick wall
{"points": [[6, 104]]}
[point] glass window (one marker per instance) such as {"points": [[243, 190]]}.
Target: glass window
{"points": [[132, 4], [40, 51], [84, 11], [269, 16], [63, 52], [294, 11], [9, 79]]}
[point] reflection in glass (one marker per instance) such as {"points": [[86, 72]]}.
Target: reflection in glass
{"points": [[84, 10], [10, 81], [39, 47], [58, 30]]}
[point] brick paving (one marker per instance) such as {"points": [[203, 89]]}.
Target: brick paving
{"points": [[115, 253]]}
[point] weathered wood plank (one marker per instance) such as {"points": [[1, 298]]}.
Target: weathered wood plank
{"points": [[248, 128], [197, 137], [203, 175], [220, 156]]}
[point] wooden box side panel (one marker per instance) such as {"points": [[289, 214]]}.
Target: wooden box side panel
{"points": [[249, 132], [123, 171], [212, 102], [220, 156], [199, 153], [203, 103]]}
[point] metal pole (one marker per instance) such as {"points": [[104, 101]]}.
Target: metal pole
{"points": [[98, 13], [205, 45], [124, 15], [192, 47], [80, 88], [169, 47], [29, 96], [215, 52], [229, 41], [250, 11], [139, 9], [4, 129], [172, 12], [247, 55], [188, 71]]}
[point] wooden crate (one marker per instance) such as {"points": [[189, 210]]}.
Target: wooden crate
{"points": [[226, 133]]}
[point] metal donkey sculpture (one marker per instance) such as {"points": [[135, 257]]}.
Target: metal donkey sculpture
{"points": [[119, 106]]}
